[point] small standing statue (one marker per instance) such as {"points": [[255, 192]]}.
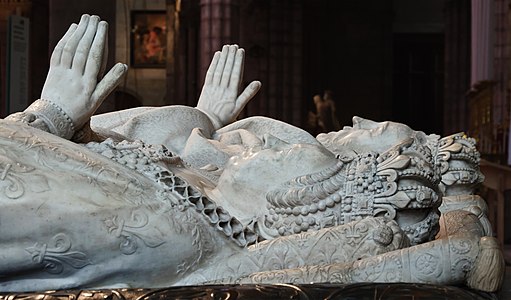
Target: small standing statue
{"points": [[324, 120]]}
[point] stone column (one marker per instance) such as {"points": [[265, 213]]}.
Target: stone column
{"points": [[457, 65], [501, 72], [482, 41], [285, 61]]}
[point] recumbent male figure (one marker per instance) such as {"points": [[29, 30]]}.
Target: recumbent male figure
{"points": [[152, 197]]}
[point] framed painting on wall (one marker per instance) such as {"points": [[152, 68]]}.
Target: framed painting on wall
{"points": [[148, 39]]}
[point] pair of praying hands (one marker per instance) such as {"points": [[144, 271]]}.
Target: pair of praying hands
{"points": [[75, 81]]}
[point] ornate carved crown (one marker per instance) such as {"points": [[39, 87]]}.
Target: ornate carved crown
{"points": [[458, 162], [403, 180]]}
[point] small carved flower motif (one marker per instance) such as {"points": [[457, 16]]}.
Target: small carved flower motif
{"points": [[426, 264]]}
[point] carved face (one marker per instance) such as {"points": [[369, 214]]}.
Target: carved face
{"points": [[366, 135], [276, 159], [201, 151]]}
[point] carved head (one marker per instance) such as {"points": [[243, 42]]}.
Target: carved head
{"points": [[327, 95], [456, 157], [367, 135], [317, 100], [249, 175]]}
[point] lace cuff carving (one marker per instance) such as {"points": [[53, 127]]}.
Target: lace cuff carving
{"points": [[47, 116]]}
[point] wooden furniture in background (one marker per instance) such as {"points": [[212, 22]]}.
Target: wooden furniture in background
{"points": [[487, 124], [498, 180]]}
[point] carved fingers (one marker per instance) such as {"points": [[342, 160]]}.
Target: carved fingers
{"points": [[219, 68], [211, 70], [76, 64], [248, 93], [220, 98], [237, 73], [84, 45], [111, 80], [229, 70], [96, 57], [69, 50], [57, 52], [225, 67]]}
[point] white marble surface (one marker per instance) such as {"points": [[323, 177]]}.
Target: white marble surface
{"points": [[181, 195]]}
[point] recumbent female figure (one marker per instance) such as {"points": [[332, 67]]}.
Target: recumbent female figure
{"points": [[178, 195]]}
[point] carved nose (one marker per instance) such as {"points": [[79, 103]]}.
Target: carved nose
{"points": [[361, 123], [357, 120]]}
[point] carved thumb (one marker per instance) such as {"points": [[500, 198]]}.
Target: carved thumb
{"points": [[108, 84]]}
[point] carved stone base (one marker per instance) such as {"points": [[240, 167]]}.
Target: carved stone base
{"points": [[278, 291]]}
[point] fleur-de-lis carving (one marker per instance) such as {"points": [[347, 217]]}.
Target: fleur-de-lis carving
{"points": [[396, 160], [128, 231], [55, 255], [355, 233], [10, 174], [449, 146]]}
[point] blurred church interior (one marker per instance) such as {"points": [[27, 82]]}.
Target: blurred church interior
{"points": [[440, 66]]}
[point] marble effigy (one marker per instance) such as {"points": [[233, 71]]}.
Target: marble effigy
{"points": [[156, 197]]}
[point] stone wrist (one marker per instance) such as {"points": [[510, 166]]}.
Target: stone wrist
{"points": [[214, 121], [58, 122]]}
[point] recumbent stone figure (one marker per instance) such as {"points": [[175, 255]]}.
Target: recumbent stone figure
{"points": [[153, 197]]}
